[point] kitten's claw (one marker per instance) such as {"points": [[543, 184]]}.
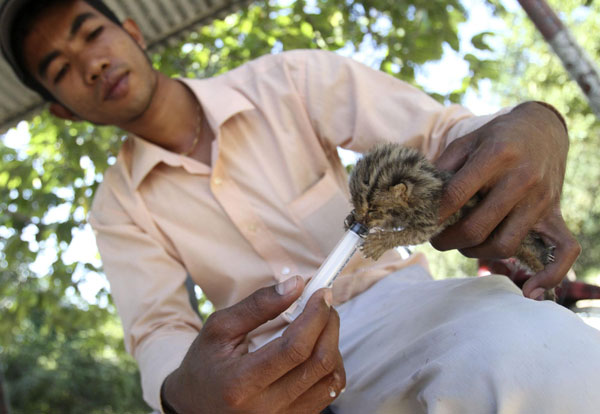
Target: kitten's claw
{"points": [[372, 251], [550, 258], [376, 244], [349, 220]]}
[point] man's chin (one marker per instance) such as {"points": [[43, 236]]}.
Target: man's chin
{"points": [[124, 120], [124, 114]]}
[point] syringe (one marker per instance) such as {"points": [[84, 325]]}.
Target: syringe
{"points": [[330, 269]]}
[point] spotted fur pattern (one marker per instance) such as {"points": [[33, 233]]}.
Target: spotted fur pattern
{"points": [[396, 194]]}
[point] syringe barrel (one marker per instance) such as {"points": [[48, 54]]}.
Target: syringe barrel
{"points": [[329, 270]]}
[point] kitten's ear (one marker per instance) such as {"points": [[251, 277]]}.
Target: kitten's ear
{"points": [[401, 192]]}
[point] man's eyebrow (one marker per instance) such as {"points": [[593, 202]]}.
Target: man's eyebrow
{"points": [[78, 22], [75, 26], [43, 66]]}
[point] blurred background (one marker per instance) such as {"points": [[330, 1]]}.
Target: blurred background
{"points": [[61, 348]]}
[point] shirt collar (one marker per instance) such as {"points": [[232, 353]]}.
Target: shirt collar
{"points": [[219, 100]]}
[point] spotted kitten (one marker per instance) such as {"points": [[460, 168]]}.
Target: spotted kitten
{"points": [[396, 194]]}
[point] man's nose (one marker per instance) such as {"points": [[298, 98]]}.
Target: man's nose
{"points": [[94, 70]]}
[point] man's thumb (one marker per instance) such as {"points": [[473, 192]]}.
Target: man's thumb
{"points": [[261, 306]]}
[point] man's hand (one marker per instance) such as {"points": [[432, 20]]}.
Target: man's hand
{"points": [[516, 163], [300, 372]]}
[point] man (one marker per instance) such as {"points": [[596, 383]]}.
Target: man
{"points": [[236, 181]]}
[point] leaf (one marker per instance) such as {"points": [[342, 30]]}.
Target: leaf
{"points": [[479, 41], [306, 29]]}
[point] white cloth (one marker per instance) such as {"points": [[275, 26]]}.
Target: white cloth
{"points": [[416, 345]]}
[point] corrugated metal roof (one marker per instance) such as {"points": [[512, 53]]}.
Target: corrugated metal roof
{"points": [[162, 22]]}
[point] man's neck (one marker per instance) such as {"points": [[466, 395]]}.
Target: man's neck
{"points": [[173, 120]]}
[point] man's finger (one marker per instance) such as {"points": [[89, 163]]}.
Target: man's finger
{"points": [[456, 154], [477, 172], [474, 229], [261, 306], [566, 252], [324, 360], [452, 159], [508, 235], [275, 359], [319, 396]]}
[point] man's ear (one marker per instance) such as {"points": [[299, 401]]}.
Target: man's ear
{"points": [[131, 27], [60, 111]]}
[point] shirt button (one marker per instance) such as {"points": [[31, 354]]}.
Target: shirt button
{"points": [[285, 271]]}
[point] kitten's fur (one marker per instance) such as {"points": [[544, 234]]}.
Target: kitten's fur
{"points": [[396, 194]]}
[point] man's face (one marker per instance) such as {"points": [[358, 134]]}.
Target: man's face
{"points": [[90, 65]]}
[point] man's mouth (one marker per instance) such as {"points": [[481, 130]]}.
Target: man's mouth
{"points": [[115, 87]]}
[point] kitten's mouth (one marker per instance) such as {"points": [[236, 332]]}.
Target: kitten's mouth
{"points": [[377, 229]]}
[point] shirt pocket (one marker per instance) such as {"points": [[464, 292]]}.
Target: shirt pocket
{"points": [[320, 212]]}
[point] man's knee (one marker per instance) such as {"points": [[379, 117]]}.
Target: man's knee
{"points": [[524, 356]]}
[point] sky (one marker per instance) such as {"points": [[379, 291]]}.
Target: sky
{"points": [[442, 76]]}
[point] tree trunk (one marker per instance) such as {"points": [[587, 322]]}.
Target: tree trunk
{"points": [[581, 68]]}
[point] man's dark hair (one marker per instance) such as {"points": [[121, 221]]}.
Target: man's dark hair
{"points": [[23, 25]]}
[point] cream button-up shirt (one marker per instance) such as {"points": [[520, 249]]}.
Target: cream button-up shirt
{"points": [[271, 206]]}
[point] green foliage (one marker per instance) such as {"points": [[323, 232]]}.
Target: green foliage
{"points": [[479, 41], [406, 33], [526, 68], [86, 372], [445, 265], [57, 347], [532, 71]]}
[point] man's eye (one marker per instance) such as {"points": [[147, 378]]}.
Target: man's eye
{"points": [[61, 74], [95, 34]]}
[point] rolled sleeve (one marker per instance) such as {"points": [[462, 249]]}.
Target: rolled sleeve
{"points": [[148, 289], [354, 106]]}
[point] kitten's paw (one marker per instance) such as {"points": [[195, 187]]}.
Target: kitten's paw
{"points": [[550, 294], [372, 252], [349, 221], [374, 246]]}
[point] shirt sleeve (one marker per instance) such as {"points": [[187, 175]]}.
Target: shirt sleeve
{"points": [[354, 106], [148, 289]]}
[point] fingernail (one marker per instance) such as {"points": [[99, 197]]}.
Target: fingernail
{"points": [[328, 297], [286, 287], [537, 293], [332, 393]]}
